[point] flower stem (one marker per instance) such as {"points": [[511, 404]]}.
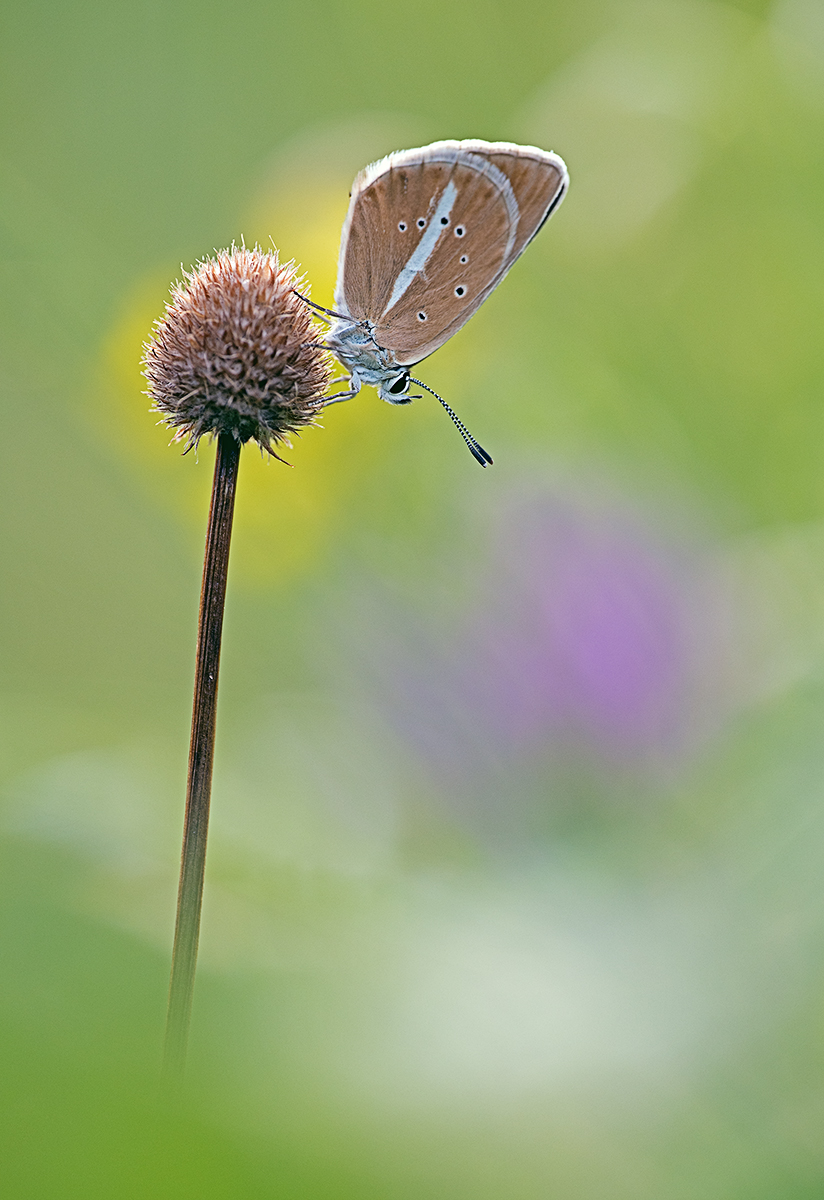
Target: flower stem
{"points": [[201, 754]]}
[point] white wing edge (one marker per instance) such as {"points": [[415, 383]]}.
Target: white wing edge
{"points": [[453, 149]]}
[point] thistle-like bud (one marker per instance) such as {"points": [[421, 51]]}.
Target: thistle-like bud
{"points": [[237, 352]]}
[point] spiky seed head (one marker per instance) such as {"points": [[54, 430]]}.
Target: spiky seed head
{"points": [[237, 352]]}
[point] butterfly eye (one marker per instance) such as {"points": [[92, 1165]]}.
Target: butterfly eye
{"points": [[459, 231], [398, 385], [421, 223], [402, 226], [421, 316], [464, 258], [459, 291]]}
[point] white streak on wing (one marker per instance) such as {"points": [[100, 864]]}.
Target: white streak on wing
{"points": [[421, 254]]}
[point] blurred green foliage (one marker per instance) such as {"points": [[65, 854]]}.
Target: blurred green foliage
{"points": [[514, 884]]}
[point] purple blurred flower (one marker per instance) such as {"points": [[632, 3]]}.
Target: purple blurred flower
{"points": [[586, 634], [581, 639]]}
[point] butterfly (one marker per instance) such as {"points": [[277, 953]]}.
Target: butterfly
{"points": [[429, 234]]}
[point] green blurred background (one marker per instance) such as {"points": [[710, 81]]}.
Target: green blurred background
{"points": [[516, 876]]}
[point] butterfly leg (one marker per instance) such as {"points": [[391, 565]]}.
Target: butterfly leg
{"points": [[338, 397]]}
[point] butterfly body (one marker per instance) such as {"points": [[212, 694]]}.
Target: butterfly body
{"points": [[429, 234], [353, 344]]}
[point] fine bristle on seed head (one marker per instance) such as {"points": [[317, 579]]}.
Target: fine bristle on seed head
{"points": [[237, 352]]}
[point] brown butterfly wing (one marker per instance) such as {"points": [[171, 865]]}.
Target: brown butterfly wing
{"points": [[503, 195], [431, 309], [374, 250], [539, 181]]}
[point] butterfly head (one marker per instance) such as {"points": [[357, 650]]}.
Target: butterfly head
{"points": [[396, 389]]}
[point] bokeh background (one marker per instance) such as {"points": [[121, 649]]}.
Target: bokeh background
{"points": [[516, 876]]}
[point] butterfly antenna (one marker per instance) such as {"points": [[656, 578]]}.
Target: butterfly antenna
{"points": [[319, 307], [475, 449]]}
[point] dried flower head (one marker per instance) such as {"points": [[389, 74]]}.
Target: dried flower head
{"points": [[237, 352]]}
